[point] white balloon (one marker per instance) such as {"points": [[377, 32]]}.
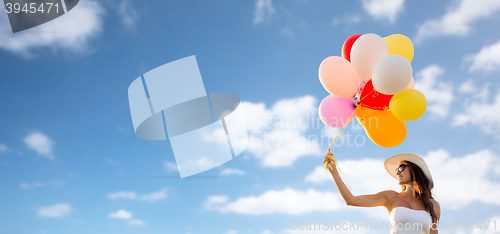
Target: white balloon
{"points": [[392, 74], [365, 54]]}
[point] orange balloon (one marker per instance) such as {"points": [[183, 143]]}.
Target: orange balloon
{"points": [[384, 129], [362, 112]]}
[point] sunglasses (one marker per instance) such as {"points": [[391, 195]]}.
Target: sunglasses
{"points": [[401, 167]]}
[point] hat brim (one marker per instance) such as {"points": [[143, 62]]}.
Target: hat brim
{"points": [[393, 162]]}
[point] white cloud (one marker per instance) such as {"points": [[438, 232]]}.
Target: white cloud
{"points": [[467, 87], [439, 94], [151, 197], [277, 135], [363, 176], [56, 211], [481, 113], [170, 166], [232, 232], [471, 90], [128, 14], [458, 181], [71, 31], [263, 11], [319, 175], [155, 196], [287, 32], [287, 201], [112, 162], [266, 232], [4, 148], [136, 222], [384, 9], [122, 195], [486, 60], [347, 19], [204, 161], [332, 132], [458, 18], [483, 95], [40, 143], [54, 183], [121, 214], [231, 171], [214, 201]]}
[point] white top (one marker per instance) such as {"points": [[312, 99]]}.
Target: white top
{"points": [[409, 221]]}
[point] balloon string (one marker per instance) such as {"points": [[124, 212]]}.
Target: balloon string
{"points": [[358, 104], [366, 96], [335, 163], [343, 127], [371, 107]]}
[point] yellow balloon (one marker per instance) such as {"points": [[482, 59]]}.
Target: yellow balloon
{"points": [[384, 129], [401, 45], [362, 112], [408, 105]]}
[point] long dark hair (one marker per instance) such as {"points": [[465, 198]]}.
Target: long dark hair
{"points": [[422, 188]]}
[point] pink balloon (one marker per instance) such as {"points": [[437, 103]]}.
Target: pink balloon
{"points": [[338, 77], [412, 84], [335, 111]]}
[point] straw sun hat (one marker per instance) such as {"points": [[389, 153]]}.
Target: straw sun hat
{"points": [[393, 162]]}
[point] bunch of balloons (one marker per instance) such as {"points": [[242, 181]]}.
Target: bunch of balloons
{"points": [[374, 81]]}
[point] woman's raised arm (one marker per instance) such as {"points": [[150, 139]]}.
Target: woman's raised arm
{"points": [[383, 198]]}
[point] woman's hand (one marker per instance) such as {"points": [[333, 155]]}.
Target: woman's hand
{"points": [[380, 199], [330, 162]]}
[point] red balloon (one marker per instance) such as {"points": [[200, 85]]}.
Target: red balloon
{"points": [[374, 100], [346, 48]]}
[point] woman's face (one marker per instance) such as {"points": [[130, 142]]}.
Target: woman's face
{"points": [[403, 177]]}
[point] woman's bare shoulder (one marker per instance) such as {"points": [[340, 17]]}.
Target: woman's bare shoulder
{"points": [[435, 203], [391, 195]]}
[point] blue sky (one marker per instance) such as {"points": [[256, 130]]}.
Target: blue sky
{"points": [[71, 163]]}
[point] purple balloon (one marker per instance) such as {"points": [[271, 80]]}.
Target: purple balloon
{"points": [[335, 111]]}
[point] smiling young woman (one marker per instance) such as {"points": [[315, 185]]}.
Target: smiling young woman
{"points": [[411, 211]]}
